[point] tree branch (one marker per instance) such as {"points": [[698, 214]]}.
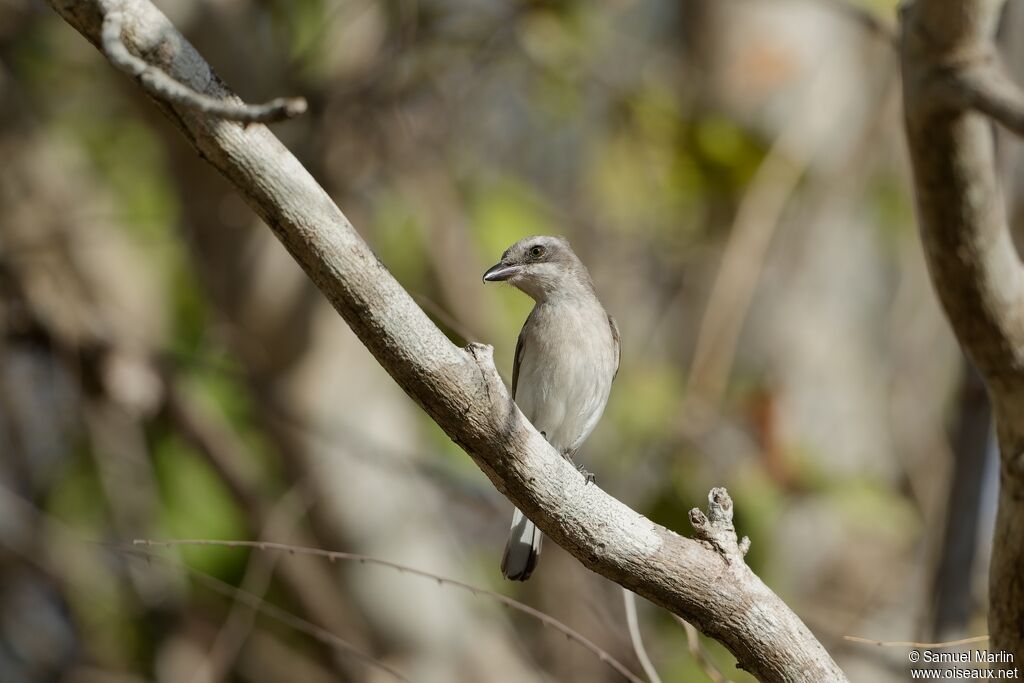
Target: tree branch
{"points": [[460, 388], [971, 258], [159, 84], [986, 87]]}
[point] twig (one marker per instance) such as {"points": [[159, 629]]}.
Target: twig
{"points": [[162, 86], [716, 527], [270, 610], [259, 570], [911, 643], [633, 623], [68, 543], [698, 652], [225, 451], [332, 555]]}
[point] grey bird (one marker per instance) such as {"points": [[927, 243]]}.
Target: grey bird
{"points": [[566, 358]]}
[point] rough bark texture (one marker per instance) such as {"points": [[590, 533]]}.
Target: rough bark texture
{"points": [[975, 268], [705, 581]]}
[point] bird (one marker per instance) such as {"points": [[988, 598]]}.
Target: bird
{"points": [[566, 357]]}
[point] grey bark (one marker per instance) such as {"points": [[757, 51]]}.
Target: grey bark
{"points": [[950, 81], [705, 581]]}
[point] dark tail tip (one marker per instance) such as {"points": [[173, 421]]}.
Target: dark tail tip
{"points": [[520, 573]]}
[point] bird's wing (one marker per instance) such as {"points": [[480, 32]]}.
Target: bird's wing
{"points": [[615, 340], [519, 355]]}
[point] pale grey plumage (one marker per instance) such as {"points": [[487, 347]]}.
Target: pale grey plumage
{"points": [[566, 358]]}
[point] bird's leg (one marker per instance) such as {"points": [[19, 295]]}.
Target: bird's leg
{"points": [[589, 476]]}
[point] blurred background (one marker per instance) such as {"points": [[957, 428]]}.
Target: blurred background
{"points": [[732, 172]]}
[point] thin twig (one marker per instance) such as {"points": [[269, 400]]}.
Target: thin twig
{"points": [[911, 643], [698, 653], [162, 86], [223, 448], [270, 610], [331, 555], [68, 543], [259, 571], [633, 623]]}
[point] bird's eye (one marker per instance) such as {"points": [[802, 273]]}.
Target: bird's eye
{"points": [[536, 251]]}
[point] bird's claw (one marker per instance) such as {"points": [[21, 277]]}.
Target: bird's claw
{"points": [[589, 476]]}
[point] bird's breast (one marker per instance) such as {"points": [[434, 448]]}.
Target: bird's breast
{"points": [[565, 373]]}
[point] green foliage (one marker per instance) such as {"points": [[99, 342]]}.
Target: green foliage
{"points": [[654, 393], [758, 503], [301, 24], [95, 593], [664, 173], [397, 235], [892, 208], [196, 504], [130, 159], [76, 498], [503, 210], [555, 39], [868, 507], [189, 319]]}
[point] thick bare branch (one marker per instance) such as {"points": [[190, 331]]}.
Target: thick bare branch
{"points": [[971, 257], [460, 388]]}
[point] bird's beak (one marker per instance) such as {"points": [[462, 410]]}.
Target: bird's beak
{"points": [[499, 272]]}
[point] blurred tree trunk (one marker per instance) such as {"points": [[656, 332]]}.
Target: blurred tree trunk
{"points": [[950, 76], [953, 583]]}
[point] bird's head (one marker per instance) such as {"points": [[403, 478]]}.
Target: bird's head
{"points": [[540, 266]]}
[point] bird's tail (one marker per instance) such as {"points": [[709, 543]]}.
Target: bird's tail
{"points": [[522, 549]]}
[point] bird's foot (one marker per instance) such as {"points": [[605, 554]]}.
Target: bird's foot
{"points": [[568, 455], [589, 476]]}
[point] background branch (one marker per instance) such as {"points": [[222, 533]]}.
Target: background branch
{"points": [[986, 87], [971, 257], [698, 653], [633, 624]]}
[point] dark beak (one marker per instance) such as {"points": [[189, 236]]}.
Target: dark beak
{"points": [[499, 272]]}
